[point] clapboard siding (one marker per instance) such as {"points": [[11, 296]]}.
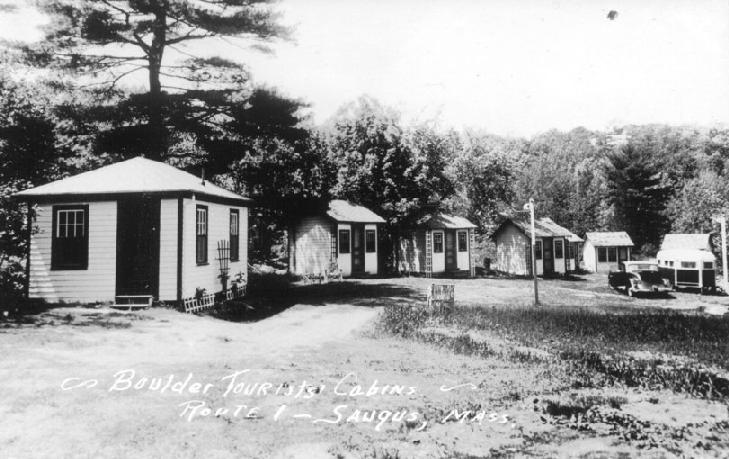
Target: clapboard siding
{"points": [[95, 284], [412, 252], [312, 245], [168, 250], [511, 249], [207, 276]]}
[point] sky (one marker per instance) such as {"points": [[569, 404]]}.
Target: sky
{"points": [[505, 66]]}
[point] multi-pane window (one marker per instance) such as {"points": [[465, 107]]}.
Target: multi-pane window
{"points": [[538, 250], [612, 254], [558, 249], [234, 234], [437, 242], [344, 243], [70, 243], [462, 241], [201, 235], [708, 265], [688, 264], [370, 241], [601, 254]]}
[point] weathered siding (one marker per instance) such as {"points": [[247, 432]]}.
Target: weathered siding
{"points": [[511, 248], [168, 250], [312, 246], [412, 253], [207, 276], [95, 284]]}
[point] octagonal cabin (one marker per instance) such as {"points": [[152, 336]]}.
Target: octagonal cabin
{"points": [[137, 228]]}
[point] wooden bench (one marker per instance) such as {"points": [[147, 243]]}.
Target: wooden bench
{"points": [[442, 297]]}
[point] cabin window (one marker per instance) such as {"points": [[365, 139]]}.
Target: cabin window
{"points": [[558, 249], [601, 254], [234, 232], [370, 243], [437, 242], [343, 241], [462, 241], [612, 254], [70, 242], [201, 235], [670, 263], [688, 264], [538, 250], [708, 265]]}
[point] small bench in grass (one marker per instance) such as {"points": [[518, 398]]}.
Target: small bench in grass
{"points": [[441, 297]]}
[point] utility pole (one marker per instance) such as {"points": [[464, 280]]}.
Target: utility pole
{"points": [[530, 206], [725, 276]]}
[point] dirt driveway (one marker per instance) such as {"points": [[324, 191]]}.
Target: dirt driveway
{"points": [[316, 380]]}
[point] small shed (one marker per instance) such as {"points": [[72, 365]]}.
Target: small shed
{"points": [[603, 251], [136, 228], [345, 236], [513, 247], [440, 244]]}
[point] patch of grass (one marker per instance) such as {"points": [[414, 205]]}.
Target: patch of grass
{"points": [[592, 345]]}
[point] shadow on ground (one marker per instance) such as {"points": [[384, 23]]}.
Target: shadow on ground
{"points": [[262, 303]]}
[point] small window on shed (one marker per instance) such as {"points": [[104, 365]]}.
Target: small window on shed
{"points": [[370, 243], [558, 249], [344, 244], [670, 263], [462, 241], [612, 254], [437, 242], [708, 265], [688, 264], [538, 250], [201, 235], [601, 254]]}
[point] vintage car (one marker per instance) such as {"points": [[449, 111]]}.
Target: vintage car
{"points": [[639, 277]]}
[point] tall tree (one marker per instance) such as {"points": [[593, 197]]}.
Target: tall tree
{"points": [[109, 40], [638, 195]]}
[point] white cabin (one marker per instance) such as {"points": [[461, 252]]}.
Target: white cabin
{"points": [[604, 251], [553, 248], [344, 238], [134, 228]]}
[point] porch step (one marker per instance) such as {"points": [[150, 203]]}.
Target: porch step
{"points": [[132, 301]]}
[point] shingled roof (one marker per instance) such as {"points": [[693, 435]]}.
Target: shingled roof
{"points": [[344, 211], [609, 239], [543, 227], [441, 220], [687, 241], [136, 175]]}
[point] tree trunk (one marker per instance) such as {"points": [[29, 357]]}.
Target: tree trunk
{"points": [[157, 131]]}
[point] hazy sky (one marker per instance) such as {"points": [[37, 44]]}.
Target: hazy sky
{"points": [[510, 67]]}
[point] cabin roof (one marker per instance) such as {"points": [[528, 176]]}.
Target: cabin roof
{"points": [[687, 241], [574, 238], [543, 227], [136, 175], [609, 239], [441, 220], [344, 211]]}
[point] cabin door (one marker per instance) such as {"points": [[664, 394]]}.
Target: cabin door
{"points": [[137, 246], [358, 249], [462, 249], [547, 257], [438, 255]]}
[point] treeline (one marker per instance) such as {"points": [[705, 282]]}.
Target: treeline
{"points": [[646, 180]]}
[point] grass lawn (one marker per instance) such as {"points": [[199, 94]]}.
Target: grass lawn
{"points": [[358, 369]]}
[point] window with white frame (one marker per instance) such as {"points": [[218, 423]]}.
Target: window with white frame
{"points": [[234, 235], [201, 235], [70, 242]]}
